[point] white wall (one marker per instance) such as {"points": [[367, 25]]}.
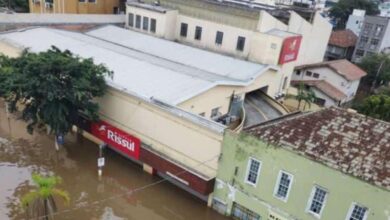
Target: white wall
{"points": [[355, 24], [259, 47], [328, 101], [315, 37], [386, 38], [268, 22], [327, 74], [164, 21], [209, 30]]}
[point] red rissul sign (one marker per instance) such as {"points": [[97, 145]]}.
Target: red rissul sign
{"points": [[290, 49], [117, 138]]}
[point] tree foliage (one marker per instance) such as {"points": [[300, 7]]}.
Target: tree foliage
{"points": [[371, 64], [306, 95], [377, 106], [343, 8], [41, 202], [17, 5], [52, 88]]}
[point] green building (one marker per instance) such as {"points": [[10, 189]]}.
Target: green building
{"points": [[331, 164]]}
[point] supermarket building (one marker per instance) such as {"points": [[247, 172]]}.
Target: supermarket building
{"points": [[236, 28], [160, 99]]}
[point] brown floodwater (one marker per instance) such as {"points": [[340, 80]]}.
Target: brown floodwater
{"points": [[22, 154]]}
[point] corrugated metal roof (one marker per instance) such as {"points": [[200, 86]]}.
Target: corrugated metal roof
{"points": [[148, 67], [135, 73], [200, 59]]}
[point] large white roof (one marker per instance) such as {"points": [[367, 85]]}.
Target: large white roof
{"points": [[141, 69], [191, 56]]}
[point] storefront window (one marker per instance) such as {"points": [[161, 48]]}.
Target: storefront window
{"points": [[242, 213]]}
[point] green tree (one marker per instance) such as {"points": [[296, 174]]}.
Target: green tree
{"points": [[301, 94], [377, 106], [41, 201], [374, 63], [306, 95], [309, 98], [343, 8], [17, 5], [53, 88]]}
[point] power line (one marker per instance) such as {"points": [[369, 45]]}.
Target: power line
{"points": [[123, 194]]}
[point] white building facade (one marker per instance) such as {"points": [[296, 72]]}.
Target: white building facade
{"points": [[242, 32], [335, 83], [355, 21]]}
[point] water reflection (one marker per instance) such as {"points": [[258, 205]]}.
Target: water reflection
{"points": [[76, 164]]}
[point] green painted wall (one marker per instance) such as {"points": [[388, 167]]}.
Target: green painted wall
{"points": [[342, 189]]}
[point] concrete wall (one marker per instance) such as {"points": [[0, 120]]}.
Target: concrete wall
{"points": [[311, 51], [315, 37], [386, 37], [266, 48], [209, 31], [214, 12], [219, 96], [7, 50], [176, 137], [355, 24], [75, 7], [343, 190], [259, 47], [164, 21], [268, 22], [328, 100]]}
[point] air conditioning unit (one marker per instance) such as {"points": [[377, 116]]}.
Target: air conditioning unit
{"points": [[36, 1]]}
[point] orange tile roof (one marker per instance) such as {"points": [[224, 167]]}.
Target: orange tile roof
{"points": [[343, 38], [324, 87], [342, 67]]}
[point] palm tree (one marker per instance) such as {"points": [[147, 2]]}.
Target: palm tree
{"points": [[40, 203], [301, 94], [309, 98]]}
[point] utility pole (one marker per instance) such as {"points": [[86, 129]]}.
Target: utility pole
{"points": [[377, 75]]}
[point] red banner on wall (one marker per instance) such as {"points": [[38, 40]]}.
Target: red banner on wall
{"points": [[290, 49], [117, 138]]}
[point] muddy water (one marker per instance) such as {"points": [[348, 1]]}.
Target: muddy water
{"points": [[22, 154]]}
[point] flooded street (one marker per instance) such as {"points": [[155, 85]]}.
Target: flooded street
{"points": [[22, 154]]}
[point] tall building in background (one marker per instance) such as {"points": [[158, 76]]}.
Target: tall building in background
{"points": [[355, 21], [77, 6], [385, 9], [374, 37]]}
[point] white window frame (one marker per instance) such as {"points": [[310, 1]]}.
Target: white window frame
{"points": [[247, 171], [353, 207], [278, 183], [313, 190]]}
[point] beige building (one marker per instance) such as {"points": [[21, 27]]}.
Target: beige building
{"points": [[161, 97], [239, 31], [77, 6]]}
